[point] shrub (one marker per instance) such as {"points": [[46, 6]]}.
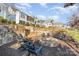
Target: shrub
{"points": [[9, 22], [3, 20], [27, 24], [32, 25], [6, 21], [13, 22], [22, 22]]}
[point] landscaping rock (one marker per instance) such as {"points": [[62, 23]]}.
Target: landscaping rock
{"points": [[7, 35]]}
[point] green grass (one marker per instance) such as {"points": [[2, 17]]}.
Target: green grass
{"points": [[74, 34]]}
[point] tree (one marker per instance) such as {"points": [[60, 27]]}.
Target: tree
{"points": [[74, 21], [52, 21]]}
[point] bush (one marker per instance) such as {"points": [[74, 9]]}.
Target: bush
{"points": [[9, 22], [37, 26], [3, 20], [6, 21], [27, 24], [32, 25], [13, 22], [22, 22]]}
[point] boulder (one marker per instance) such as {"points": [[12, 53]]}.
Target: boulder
{"points": [[7, 35]]}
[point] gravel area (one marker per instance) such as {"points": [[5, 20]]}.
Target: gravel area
{"points": [[59, 50]]}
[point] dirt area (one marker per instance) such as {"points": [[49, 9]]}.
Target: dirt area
{"points": [[51, 46]]}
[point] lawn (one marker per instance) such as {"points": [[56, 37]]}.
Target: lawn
{"points": [[74, 34]]}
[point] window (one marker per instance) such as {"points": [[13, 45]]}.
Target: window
{"points": [[0, 41], [10, 10], [22, 15], [0, 8]]}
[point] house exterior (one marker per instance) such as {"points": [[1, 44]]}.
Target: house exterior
{"points": [[58, 24], [30, 19], [10, 12], [7, 11], [20, 16], [3, 10], [47, 24]]}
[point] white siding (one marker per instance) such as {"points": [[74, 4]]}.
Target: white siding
{"points": [[17, 17]]}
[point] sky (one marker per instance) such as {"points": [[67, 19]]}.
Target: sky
{"points": [[46, 11]]}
